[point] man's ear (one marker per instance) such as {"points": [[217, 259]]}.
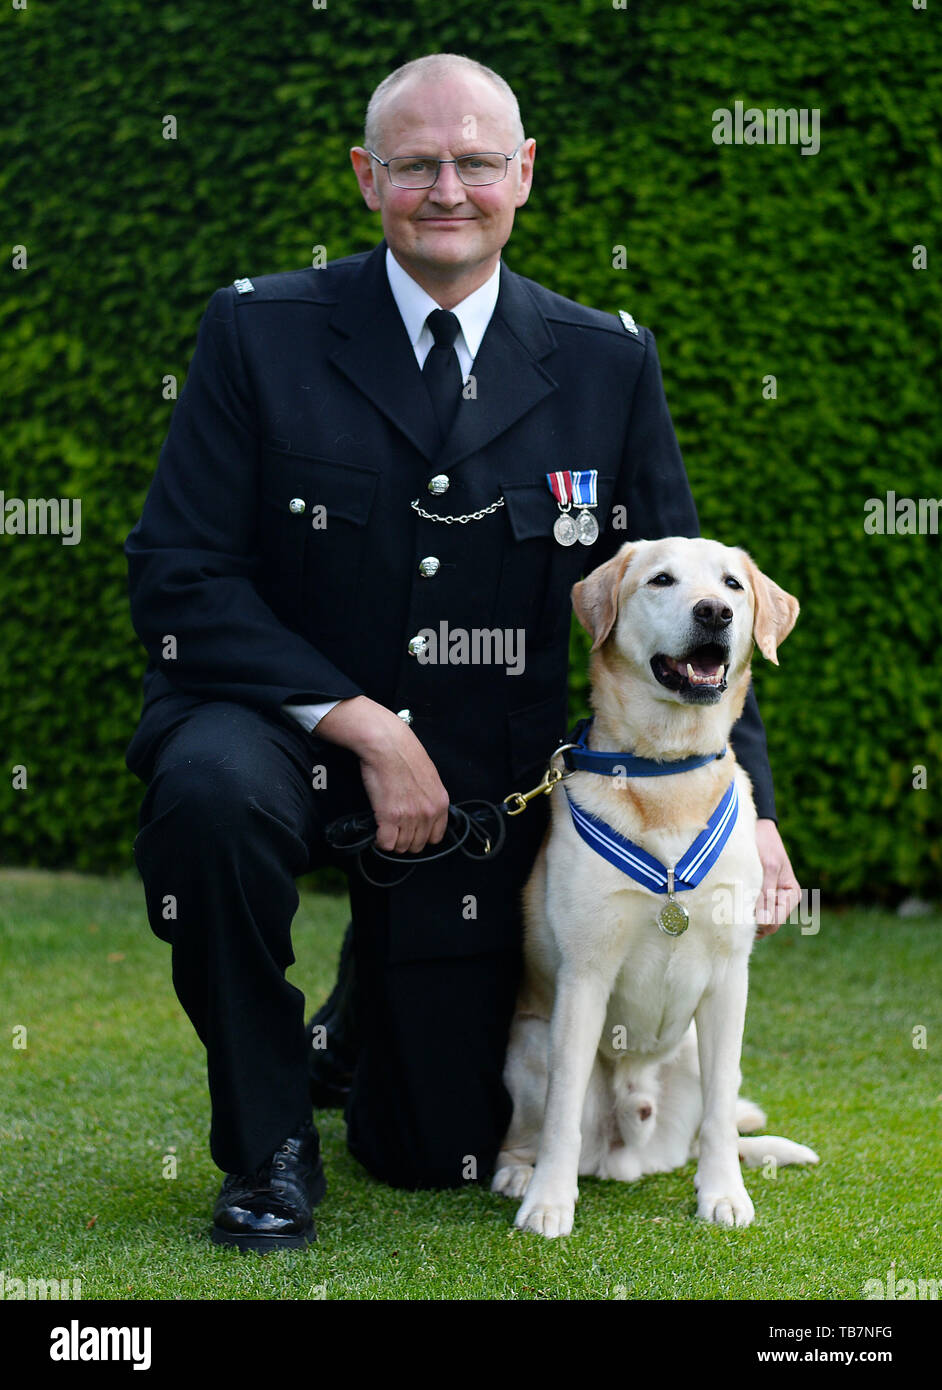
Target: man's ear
{"points": [[364, 169], [527, 159], [776, 611], [595, 598]]}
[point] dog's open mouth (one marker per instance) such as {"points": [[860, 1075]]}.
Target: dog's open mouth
{"points": [[702, 670]]}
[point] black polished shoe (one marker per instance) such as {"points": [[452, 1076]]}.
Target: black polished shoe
{"points": [[332, 1066], [270, 1209]]}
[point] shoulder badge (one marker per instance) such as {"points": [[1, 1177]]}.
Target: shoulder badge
{"points": [[628, 322], [246, 287]]}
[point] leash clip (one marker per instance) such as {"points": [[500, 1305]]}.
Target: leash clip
{"points": [[516, 802]]}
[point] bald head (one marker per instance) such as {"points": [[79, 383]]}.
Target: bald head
{"points": [[436, 68]]}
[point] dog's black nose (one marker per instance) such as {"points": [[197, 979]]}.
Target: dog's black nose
{"points": [[713, 613]]}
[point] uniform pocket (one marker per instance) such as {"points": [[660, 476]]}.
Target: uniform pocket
{"points": [[313, 515]]}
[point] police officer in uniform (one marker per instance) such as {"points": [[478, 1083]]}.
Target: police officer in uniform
{"points": [[359, 470]]}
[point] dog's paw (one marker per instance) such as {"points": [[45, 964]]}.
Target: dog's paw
{"points": [[513, 1180], [730, 1208], [547, 1211]]}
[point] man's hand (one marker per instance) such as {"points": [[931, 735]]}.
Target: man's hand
{"points": [[780, 891], [405, 791]]}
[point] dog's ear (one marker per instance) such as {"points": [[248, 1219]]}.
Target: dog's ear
{"points": [[776, 611], [595, 598]]}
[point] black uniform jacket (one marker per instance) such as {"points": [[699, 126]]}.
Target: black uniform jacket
{"points": [[305, 389]]}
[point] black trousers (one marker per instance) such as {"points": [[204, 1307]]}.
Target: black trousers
{"points": [[228, 822]]}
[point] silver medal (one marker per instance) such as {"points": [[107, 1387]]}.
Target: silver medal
{"points": [[587, 528], [564, 529], [673, 918]]}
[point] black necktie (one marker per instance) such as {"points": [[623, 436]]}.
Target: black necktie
{"points": [[441, 371]]}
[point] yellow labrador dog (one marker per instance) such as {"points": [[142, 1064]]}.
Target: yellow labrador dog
{"points": [[624, 1051]]}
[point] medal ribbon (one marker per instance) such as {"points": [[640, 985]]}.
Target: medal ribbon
{"points": [[585, 488], [580, 487], [560, 485], [632, 860]]}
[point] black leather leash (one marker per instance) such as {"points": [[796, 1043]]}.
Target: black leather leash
{"points": [[477, 828]]}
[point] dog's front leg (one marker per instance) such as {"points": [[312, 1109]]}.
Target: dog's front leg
{"points": [[721, 1014], [575, 1029]]}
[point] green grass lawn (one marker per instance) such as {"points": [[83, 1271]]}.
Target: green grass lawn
{"points": [[112, 1080]]}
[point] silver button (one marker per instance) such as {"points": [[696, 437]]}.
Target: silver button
{"points": [[296, 505], [405, 715], [429, 566], [417, 644], [439, 484]]}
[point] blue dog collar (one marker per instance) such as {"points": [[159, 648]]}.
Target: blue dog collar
{"points": [[578, 758]]}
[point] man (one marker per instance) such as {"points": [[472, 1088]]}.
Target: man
{"points": [[350, 467]]}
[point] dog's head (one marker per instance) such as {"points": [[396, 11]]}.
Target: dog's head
{"points": [[683, 614]]}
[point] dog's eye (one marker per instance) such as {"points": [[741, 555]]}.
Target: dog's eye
{"points": [[662, 579], [731, 582]]}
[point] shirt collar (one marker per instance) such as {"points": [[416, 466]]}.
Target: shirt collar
{"points": [[415, 304]]}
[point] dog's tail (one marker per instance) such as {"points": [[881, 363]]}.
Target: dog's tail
{"points": [[749, 1116], [759, 1149]]}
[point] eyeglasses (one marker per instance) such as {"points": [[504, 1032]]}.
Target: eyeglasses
{"points": [[415, 171]]}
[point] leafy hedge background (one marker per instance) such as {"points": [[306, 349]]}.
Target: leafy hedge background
{"points": [[745, 261]]}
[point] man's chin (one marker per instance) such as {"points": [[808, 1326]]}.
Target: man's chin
{"points": [[447, 254], [447, 243]]}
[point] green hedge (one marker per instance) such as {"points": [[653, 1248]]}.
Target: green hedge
{"points": [[746, 261]]}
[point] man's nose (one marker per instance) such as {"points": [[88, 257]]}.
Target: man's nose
{"points": [[713, 613], [448, 188]]}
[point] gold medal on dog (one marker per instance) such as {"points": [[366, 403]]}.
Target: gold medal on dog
{"points": [[673, 918]]}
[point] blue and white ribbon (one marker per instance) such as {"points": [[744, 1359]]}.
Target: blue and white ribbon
{"points": [[578, 487], [585, 488], [634, 861]]}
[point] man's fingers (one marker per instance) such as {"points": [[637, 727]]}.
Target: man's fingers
{"points": [[409, 834], [387, 836], [774, 907], [407, 796], [439, 826], [765, 903]]}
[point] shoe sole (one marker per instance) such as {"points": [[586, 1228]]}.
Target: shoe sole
{"points": [[263, 1244]]}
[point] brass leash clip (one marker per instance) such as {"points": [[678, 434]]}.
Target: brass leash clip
{"points": [[516, 802]]}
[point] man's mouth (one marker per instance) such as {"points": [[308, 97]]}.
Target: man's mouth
{"points": [[702, 669]]}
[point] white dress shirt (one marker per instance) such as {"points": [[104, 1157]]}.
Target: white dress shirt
{"points": [[414, 305]]}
